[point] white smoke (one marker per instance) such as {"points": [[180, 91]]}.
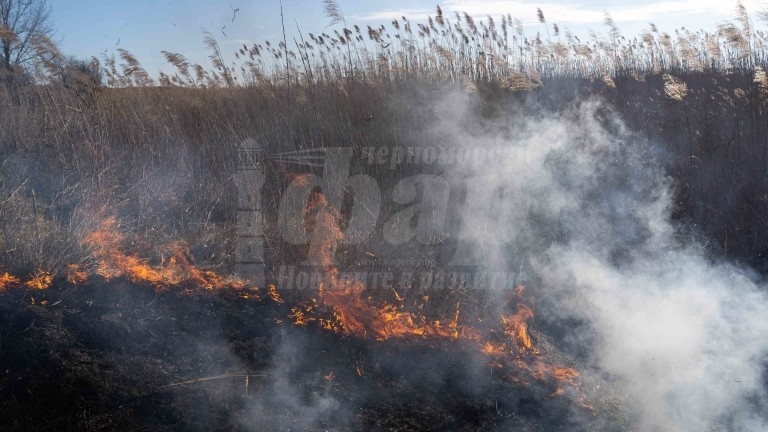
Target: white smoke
{"points": [[293, 396], [684, 339]]}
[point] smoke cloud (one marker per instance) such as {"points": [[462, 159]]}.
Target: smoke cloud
{"points": [[293, 395], [585, 204]]}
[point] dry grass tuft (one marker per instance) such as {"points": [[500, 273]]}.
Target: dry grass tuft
{"points": [[674, 88]]}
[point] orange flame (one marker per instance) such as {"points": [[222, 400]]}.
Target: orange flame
{"points": [[354, 314], [177, 269], [76, 275], [274, 295], [516, 327], [41, 280], [6, 280]]}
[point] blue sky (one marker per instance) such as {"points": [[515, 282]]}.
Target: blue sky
{"points": [[88, 28]]}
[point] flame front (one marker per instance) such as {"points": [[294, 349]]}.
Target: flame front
{"points": [[353, 314], [516, 327], [177, 269], [342, 305], [511, 350], [40, 280], [76, 274]]}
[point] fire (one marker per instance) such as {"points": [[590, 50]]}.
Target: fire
{"points": [[494, 349], [301, 315], [6, 280], [76, 275], [41, 280], [516, 327], [342, 305], [177, 269], [565, 374], [355, 314], [274, 295], [32, 301]]}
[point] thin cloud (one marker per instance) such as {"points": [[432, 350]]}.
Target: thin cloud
{"points": [[390, 14], [237, 42], [569, 13]]}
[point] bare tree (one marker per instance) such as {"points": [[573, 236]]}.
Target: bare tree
{"points": [[23, 23]]}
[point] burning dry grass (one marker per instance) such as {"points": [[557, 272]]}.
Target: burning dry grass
{"points": [[157, 380], [40, 280], [354, 313], [76, 274], [176, 267], [7, 280], [342, 305]]}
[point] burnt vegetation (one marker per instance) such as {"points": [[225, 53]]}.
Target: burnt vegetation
{"points": [[85, 140]]}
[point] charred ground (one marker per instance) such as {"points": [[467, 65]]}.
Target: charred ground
{"points": [[116, 356]]}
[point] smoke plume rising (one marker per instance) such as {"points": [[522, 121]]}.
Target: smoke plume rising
{"points": [[587, 207]]}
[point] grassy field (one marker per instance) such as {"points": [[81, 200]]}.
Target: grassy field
{"points": [[159, 152], [86, 142]]}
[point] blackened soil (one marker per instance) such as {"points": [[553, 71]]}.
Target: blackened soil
{"points": [[120, 357]]}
